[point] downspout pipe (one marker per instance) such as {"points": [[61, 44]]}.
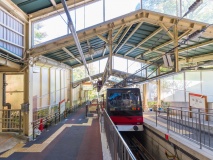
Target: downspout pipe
{"points": [[4, 93], [4, 99], [74, 34]]}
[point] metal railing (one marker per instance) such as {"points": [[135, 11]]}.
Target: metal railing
{"points": [[11, 120], [118, 147], [193, 123], [51, 119]]}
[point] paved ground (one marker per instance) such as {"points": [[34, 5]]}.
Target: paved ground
{"points": [[75, 138]]}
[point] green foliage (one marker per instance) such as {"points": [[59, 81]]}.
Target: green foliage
{"points": [[38, 34], [164, 105], [203, 13], [92, 94], [78, 73]]}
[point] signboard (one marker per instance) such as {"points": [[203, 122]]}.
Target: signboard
{"points": [[197, 100], [87, 86], [115, 79]]}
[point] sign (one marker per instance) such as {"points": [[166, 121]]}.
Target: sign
{"points": [[197, 100], [87, 86]]}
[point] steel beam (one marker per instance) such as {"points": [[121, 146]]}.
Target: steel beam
{"points": [[176, 48], [144, 40], [167, 31], [196, 46], [119, 31], [58, 8], [14, 10], [195, 59], [153, 18], [110, 52], [69, 53], [9, 64], [123, 35], [102, 38], [130, 35], [167, 43], [75, 36]]}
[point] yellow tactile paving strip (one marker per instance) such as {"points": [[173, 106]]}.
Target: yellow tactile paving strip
{"points": [[41, 147]]}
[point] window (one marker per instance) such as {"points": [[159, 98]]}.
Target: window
{"points": [[116, 8]]}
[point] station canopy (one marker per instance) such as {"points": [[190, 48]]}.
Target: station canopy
{"points": [[143, 36]]}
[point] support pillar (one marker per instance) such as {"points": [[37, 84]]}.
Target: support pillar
{"points": [[158, 90], [110, 52], [1, 98], [70, 88], [28, 98], [176, 48], [145, 104]]}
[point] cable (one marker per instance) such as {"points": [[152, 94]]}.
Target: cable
{"points": [[190, 9]]}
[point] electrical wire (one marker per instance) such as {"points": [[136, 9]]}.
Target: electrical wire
{"points": [[190, 9]]}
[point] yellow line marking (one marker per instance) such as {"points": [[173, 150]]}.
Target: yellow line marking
{"points": [[41, 147]]}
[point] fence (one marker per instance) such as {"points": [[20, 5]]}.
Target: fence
{"points": [[52, 118], [118, 148], [193, 123], [11, 120]]}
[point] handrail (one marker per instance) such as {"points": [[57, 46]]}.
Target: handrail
{"points": [[185, 122], [109, 128]]}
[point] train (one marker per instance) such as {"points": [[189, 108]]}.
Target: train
{"points": [[124, 107]]}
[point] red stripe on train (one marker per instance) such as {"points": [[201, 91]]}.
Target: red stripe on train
{"points": [[122, 120]]}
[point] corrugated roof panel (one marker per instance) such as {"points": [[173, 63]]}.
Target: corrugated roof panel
{"points": [[124, 49], [30, 6], [136, 52]]}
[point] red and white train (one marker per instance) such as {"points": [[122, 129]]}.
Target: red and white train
{"points": [[124, 107]]}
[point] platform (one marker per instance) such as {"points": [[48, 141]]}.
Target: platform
{"points": [[75, 138]]}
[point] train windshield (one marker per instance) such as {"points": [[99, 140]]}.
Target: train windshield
{"points": [[124, 102]]}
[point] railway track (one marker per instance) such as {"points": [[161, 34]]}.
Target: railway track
{"points": [[134, 142]]}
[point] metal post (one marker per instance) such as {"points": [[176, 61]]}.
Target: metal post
{"points": [[156, 118], [167, 120], [199, 127], [33, 131], [20, 122], [55, 118], [86, 110]]}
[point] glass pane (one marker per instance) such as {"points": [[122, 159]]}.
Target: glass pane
{"points": [[192, 82], [152, 91], [203, 13], [167, 89], [207, 85], [116, 8], [133, 66], [162, 6], [103, 64], [120, 64], [94, 13], [93, 68], [78, 73], [178, 86], [58, 88], [52, 86], [77, 16], [50, 28]]}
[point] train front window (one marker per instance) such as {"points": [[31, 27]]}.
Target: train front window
{"points": [[124, 103]]}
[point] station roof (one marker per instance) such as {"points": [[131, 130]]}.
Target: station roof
{"points": [[142, 36]]}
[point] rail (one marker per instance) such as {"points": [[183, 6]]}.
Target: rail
{"points": [[51, 119], [118, 147], [192, 123]]}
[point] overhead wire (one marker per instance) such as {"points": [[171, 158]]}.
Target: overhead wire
{"points": [[195, 34]]}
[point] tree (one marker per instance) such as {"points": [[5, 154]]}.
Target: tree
{"points": [[38, 34]]}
